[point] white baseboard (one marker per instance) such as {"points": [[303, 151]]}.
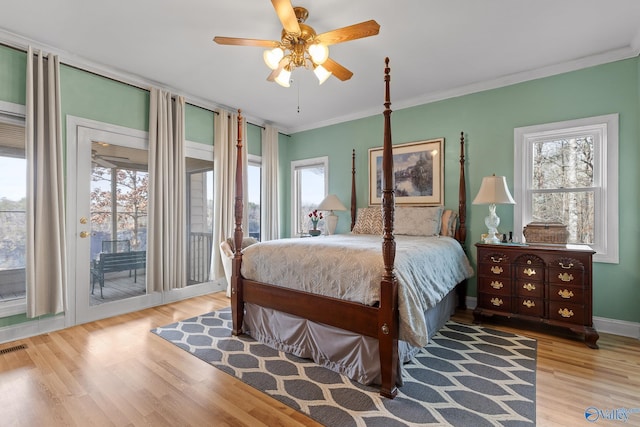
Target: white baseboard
{"points": [[617, 327], [31, 328], [601, 324]]}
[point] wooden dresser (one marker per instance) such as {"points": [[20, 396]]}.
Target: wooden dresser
{"points": [[548, 284]]}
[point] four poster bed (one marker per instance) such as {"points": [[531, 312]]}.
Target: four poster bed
{"points": [[337, 300]]}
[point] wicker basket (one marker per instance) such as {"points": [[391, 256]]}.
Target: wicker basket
{"points": [[546, 232]]}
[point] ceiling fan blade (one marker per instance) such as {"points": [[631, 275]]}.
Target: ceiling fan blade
{"points": [[233, 41], [286, 15], [338, 70], [103, 163], [352, 32]]}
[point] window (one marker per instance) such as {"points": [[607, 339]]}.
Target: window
{"points": [[199, 167], [254, 188], [13, 219], [309, 183], [568, 172]]}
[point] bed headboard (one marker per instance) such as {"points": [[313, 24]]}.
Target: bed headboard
{"points": [[460, 231]]}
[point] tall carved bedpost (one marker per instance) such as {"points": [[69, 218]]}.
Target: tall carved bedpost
{"points": [[237, 300], [353, 189], [388, 324], [461, 232]]}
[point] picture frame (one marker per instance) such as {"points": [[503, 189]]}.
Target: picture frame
{"points": [[418, 176]]}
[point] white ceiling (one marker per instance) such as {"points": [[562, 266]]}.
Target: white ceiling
{"points": [[437, 48]]}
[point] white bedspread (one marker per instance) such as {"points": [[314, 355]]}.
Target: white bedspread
{"points": [[350, 266]]}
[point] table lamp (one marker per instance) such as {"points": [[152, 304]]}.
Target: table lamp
{"points": [[331, 203], [493, 191]]}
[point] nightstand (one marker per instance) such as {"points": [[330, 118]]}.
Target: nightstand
{"points": [[549, 284]]}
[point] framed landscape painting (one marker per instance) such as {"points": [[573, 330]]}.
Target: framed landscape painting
{"points": [[418, 173]]}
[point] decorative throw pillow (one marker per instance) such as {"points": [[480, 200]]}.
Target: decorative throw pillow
{"points": [[368, 221], [418, 221], [449, 223]]}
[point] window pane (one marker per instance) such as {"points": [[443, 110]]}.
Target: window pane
{"points": [[199, 219], [13, 224], [574, 209], [563, 163], [254, 188], [311, 185]]}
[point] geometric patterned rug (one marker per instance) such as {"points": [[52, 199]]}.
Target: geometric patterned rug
{"points": [[466, 376]]}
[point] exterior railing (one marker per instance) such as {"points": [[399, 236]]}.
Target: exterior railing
{"points": [[199, 257]]}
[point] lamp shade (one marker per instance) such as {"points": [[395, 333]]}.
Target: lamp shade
{"points": [[321, 73], [494, 191], [331, 203]]}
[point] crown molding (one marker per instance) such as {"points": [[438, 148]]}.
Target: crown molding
{"points": [[630, 51]]}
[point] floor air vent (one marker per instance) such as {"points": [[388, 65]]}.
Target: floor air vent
{"points": [[12, 349]]}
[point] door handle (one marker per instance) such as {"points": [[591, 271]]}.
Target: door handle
{"points": [[84, 234]]}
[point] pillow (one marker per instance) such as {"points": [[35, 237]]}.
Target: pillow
{"points": [[368, 221], [418, 221], [246, 241], [449, 223]]}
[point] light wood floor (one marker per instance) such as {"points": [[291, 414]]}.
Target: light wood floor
{"points": [[115, 372]]}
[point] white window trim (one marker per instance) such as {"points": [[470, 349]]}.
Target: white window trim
{"points": [[606, 227], [294, 185]]}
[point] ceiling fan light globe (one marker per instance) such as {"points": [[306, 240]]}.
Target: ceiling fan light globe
{"points": [[283, 78], [321, 73], [319, 53], [272, 57]]}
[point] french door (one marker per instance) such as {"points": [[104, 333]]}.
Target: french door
{"points": [[107, 220]]}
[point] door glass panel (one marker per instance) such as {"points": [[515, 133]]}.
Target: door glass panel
{"points": [[118, 211], [200, 219]]}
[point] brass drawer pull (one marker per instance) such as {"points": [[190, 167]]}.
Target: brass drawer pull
{"points": [[529, 287], [497, 302], [496, 285], [562, 265], [496, 270], [565, 293], [565, 312], [565, 277], [528, 303], [529, 271], [498, 259]]}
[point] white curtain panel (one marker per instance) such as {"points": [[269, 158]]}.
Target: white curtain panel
{"points": [[270, 216], [224, 154], [46, 273], [166, 238]]}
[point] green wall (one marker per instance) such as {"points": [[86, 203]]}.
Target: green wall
{"points": [[13, 75], [488, 120]]}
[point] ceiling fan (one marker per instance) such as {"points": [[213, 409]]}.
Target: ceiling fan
{"points": [[300, 46]]}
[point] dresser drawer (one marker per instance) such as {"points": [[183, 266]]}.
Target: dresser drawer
{"points": [[562, 276], [495, 270], [495, 302], [529, 266], [494, 264], [568, 294], [529, 289], [566, 312], [530, 306], [495, 285]]}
